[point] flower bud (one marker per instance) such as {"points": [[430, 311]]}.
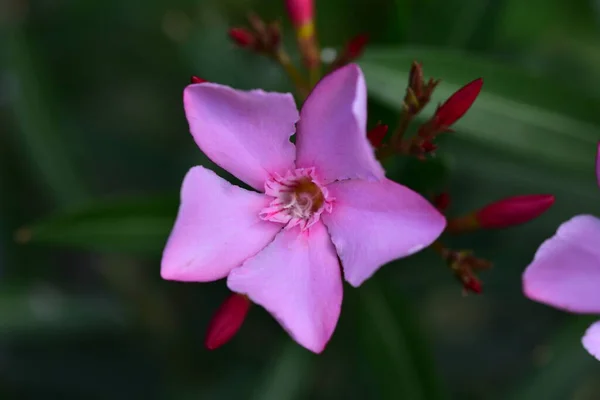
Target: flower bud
{"points": [[301, 12], [457, 105], [464, 266], [513, 211], [442, 201], [356, 46], [196, 79], [377, 134], [242, 37], [418, 92], [471, 284], [503, 213], [227, 321]]}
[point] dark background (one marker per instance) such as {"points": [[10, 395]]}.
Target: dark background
{"points": [[94, 145]]}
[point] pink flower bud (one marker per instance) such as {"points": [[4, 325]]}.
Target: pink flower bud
{"points": [[513, 211], [472, 284], [356, 46], [442, 201], [458, 104], [377, 134], [242, 37], [301, 12], [196, 79], [227, 321]]}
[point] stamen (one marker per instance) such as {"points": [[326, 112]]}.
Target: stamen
{"points": [[299, 199]]}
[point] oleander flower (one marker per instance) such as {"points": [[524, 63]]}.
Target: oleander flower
{"points": [[317, 203], [565, 272]]}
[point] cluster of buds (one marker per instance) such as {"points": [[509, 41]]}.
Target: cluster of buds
{"points": [[418, 92], [464, 265], [418, 95], [444, 117], [264, 38], [505, 213]]}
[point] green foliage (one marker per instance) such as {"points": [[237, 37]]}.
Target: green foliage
{"points": [[136, 225]]}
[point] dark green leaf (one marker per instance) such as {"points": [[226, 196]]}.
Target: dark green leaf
{"points": [[563, 364], [399, 359], [516, 112], [138, 225], [44, 309]]}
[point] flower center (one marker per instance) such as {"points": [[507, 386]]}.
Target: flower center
{"points": [[298, 199]]}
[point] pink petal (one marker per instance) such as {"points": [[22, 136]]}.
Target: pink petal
{"points": [[297, 279], [246, 133], [216, 230], [373, 223], [591, 340], [565, 272], [332, 132]]}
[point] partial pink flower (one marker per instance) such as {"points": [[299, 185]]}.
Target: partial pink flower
{"points": [[323, 200], [565, 272]]}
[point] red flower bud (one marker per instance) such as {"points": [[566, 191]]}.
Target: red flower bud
{"points": [[242, 37], [377, 134], [458, 104], [513, 211], [227, 321], [300, 11], [195, 79], [472, 284], [442, 201], [356, 46], [428, 147]]}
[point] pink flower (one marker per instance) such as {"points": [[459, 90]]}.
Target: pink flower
{"points": [[565, 272], [323, 198]]}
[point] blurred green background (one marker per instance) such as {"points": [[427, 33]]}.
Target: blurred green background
{"points": [[94, 145]]}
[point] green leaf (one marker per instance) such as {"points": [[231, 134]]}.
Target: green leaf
{"points": [[428, 178], [44, 309], [561, 20], [568, 364], [399, 358], [516, 113], [132, 225], [38, 126], [287, 377]]}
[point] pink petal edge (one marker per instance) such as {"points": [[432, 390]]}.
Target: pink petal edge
{"points": [[245, 132], [373, 223], [565, 272], [297, 279], [216, 230], [332, 131], [591, 340]]}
